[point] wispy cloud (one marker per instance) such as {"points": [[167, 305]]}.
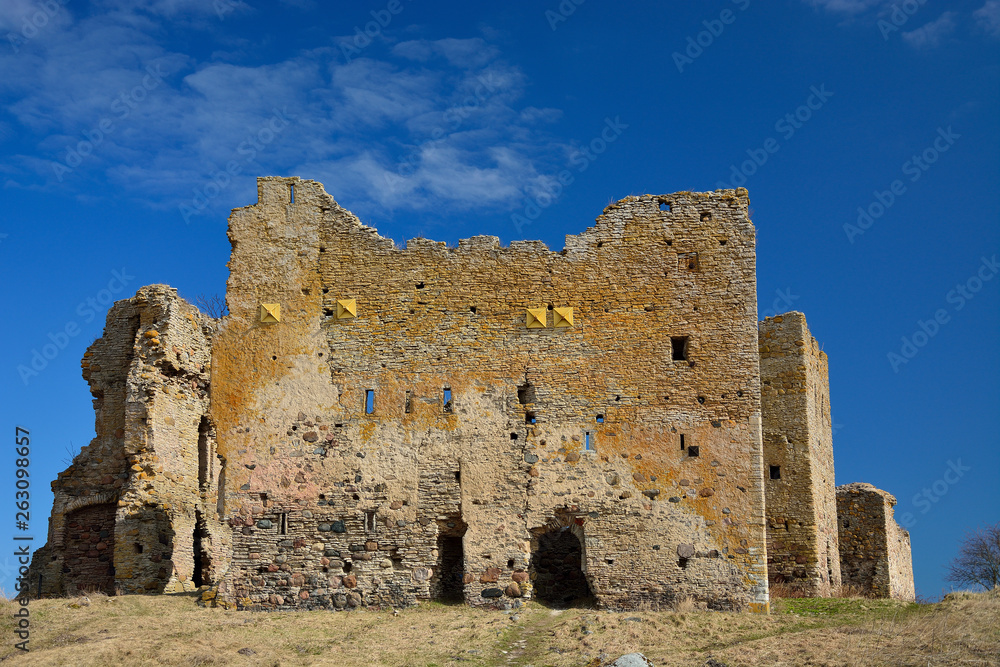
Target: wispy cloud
{"points": [[988, 18], [424, 123], [851, 7], [931, 34]]}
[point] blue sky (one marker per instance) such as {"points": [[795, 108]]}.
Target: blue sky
{"points": [[866, 133]]}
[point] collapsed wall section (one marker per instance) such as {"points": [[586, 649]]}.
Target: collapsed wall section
{"points": [[392, 415], [874, 550], [798, 451], [131, 513]]}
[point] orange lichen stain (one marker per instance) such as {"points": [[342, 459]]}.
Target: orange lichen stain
{"points": [[760, 607], [367, 430]]}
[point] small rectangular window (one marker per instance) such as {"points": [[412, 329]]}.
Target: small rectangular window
{"points": [[447, 399], [693, 450], [370, 521], [679, 348], [588, 441], [530, 418], [600, 419], [687, 261], [775, 472], [369, 401]]}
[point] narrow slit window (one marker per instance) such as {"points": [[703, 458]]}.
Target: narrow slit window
{"points": [[291, 194], [369, 401], [679, 348], [588, 441], [370, 521], [447, 399], [408, 404], [682, 441], [283, 523], [775, 472]]}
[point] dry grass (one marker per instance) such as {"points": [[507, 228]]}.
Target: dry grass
{"points": [[171, 630]]}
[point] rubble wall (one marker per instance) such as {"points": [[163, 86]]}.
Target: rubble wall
{"points": [[125, 511], [874, 549]]}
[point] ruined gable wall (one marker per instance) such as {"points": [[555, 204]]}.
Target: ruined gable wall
{"points": [[122, 510], [308, 465], [874, 549], [801, 505]]}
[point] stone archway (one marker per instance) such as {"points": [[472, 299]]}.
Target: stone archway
{"points": [[558, 563]]}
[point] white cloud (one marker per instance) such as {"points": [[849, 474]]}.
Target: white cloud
{"points": [[174, 9], [931, 34], [430, 124], [468, 53], [988, 18], [850, 7]]}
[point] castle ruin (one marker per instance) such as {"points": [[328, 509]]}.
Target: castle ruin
{"points": [[374, 426]]}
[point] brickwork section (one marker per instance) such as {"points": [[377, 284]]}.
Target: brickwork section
{"points": [[90, 544], [503, 462], [798, 455], [874, 549]]}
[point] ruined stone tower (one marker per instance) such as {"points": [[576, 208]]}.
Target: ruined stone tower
{"points": [[874, 549], [136, 511], [492, 409], [798, 454]]}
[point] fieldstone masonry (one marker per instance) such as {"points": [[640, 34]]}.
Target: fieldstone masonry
{"points": [[373, 425]]}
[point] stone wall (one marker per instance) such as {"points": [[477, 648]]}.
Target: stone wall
{"points": [[798, 456], [361, 445], [874, 549], [126, 512]]}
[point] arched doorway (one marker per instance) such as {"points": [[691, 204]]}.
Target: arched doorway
{"points": [[557, 563]]}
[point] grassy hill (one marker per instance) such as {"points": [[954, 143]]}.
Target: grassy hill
{"points": [[964, 629]]}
